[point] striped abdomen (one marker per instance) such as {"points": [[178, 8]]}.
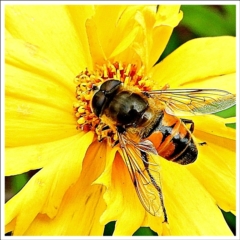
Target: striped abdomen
{"points": [[173, 140]]}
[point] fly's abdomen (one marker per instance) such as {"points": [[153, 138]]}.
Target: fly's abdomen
{"points": [[173, 140]]}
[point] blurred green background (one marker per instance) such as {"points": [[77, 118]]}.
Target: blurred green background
{"points": [[202, 21], [198, 21]]}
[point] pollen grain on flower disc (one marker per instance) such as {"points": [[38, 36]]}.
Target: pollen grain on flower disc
{"points": [[86, 81]]}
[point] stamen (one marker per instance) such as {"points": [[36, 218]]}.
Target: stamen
{"points": [[87, 82]]}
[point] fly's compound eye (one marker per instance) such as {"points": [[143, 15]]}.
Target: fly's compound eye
{"points": [[104, 94], [97, 103], [110, 86]]}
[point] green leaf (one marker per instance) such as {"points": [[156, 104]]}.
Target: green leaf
{"points": [[227, 113], [230, 15], [173, 43], [109, 229], [18, 182], [231, 220], [230, 112], [207, 21], [145, 231], [142, 231]]}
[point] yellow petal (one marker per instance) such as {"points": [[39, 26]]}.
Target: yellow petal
{"points": [[29, 123], [49, 28], [101, 30], [131, 33], [155, 223], [35, 108], [167, 17], [96, 50], [124, 44], [10, 226], [82, 204], [24, 206], [18, 109], [32, 61], [230, 120], [199, 61], [226, 82], [25, 158], [215, 126], [78, 216], [215, 167], [113, 33], [130, 30], [151, 25], [47, 187], [191, 209], [122, 202], [79, 15], [106, 177]]}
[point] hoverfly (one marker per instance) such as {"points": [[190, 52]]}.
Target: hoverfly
{"points": [[146, 123]]}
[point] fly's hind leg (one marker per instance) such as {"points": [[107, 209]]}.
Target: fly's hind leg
{"points": [[189, 124]]}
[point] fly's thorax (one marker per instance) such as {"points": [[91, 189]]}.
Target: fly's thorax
{"points": [[151, 117], [127, 108], [144, 126]]}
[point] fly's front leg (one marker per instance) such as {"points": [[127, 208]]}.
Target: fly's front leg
{"points": [[105, 132], [188, 122]]}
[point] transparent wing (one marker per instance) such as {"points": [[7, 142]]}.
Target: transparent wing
{"points": [[145, 174], [194, 101]]}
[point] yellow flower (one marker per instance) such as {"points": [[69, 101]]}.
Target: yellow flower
{"points": [[83, 184]]}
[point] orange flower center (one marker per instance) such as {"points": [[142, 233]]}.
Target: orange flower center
{"points": [[86, 120]]}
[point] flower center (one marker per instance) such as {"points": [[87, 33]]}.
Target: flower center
{"points": [[129, 74]]}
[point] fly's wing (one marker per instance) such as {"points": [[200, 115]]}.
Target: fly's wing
{"points": [[194, 101], [145, 174]]}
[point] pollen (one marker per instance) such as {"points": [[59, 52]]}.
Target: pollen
{"points": [[86, 81]]}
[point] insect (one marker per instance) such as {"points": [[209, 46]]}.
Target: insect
{"points": [[146, 123]]}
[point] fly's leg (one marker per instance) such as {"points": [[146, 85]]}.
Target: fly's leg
{"points": [[105, 132]]}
